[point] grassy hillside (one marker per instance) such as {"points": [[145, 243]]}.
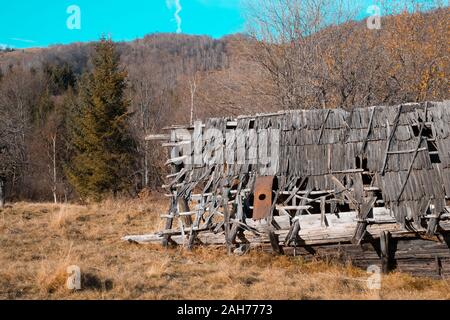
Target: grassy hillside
{"points": [[39, 242]]}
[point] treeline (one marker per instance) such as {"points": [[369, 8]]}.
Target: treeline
{"points": [[171, 79], [43, 90]]}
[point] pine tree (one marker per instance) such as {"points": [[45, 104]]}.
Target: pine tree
{"points": [[102, 147]]}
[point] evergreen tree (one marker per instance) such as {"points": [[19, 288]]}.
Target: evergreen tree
{"points": [[102, 147]]}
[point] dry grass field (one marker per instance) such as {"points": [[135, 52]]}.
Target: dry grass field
{"points": [[39, 241]]}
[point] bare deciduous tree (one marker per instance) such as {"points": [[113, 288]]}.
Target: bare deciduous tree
{"points": [[18, 93], [193, 90], [316, 56]]}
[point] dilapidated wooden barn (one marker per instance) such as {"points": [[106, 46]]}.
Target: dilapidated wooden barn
{"points": [[370, 185]]}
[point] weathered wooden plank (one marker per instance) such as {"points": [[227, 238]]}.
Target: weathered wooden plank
{"points": [[157, 137], [391, 137], [369, 130], [362, 224], [385, 250]]}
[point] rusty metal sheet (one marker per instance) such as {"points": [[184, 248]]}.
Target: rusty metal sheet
{"points": [[263, 197]]}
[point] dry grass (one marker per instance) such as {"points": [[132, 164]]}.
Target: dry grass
{"points": [[39, 241]]}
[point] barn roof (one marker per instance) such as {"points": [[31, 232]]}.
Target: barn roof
{"points": [[403, 150]]}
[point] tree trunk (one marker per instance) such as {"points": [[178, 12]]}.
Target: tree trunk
{"points": [[145, 178], [55, 180], [193, 89], [2, 193]]}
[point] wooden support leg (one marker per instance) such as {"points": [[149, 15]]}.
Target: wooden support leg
{"points": [[295, 228], [242, 237], [184, 207], [234, 232], [323, 219], [432, 226], [385, 252], [168, 226], [2, 193], [169, 222], [360, 230], [173, 153], [196, 224], [275, 225], [274, 241], [438, 266], [193, 234], [364, 212], [293, 233], [226, 215]]}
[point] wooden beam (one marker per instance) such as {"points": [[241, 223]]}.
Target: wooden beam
{"points": [[322, 128], [176, 144], [174, 210], [295, 227], [438, 263], [175, 160], [293, 207], [385, 237], [369, 129], [274, 241], [157, 137], [226, 214], [323, 218], [193, 233], [361, 226], [432, 226], [391, 137], [416, 152], [407, 151]]}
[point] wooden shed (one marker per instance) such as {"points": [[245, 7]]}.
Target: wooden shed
{"points": [[370, 185]]}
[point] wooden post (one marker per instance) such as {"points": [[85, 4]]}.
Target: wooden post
{"points": [[391, 136], [385, 251], [274, 241], [2, 192], [176, 169], [226, 214], [432, 226], [184, 207], [169, 221], [323, 218], [292, 235], [416, 152], [438, 263], [295, 227], [369, 129], [364, 212], [322, 128], [196, 224], [174, 200]]}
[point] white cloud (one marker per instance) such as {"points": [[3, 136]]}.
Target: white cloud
{"points": [[177, 4], [23, 40]]}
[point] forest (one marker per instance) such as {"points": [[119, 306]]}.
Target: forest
{"points": [[73, 117]]}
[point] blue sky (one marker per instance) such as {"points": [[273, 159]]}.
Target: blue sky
{"points": [[33, 23], [39, 23]]}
